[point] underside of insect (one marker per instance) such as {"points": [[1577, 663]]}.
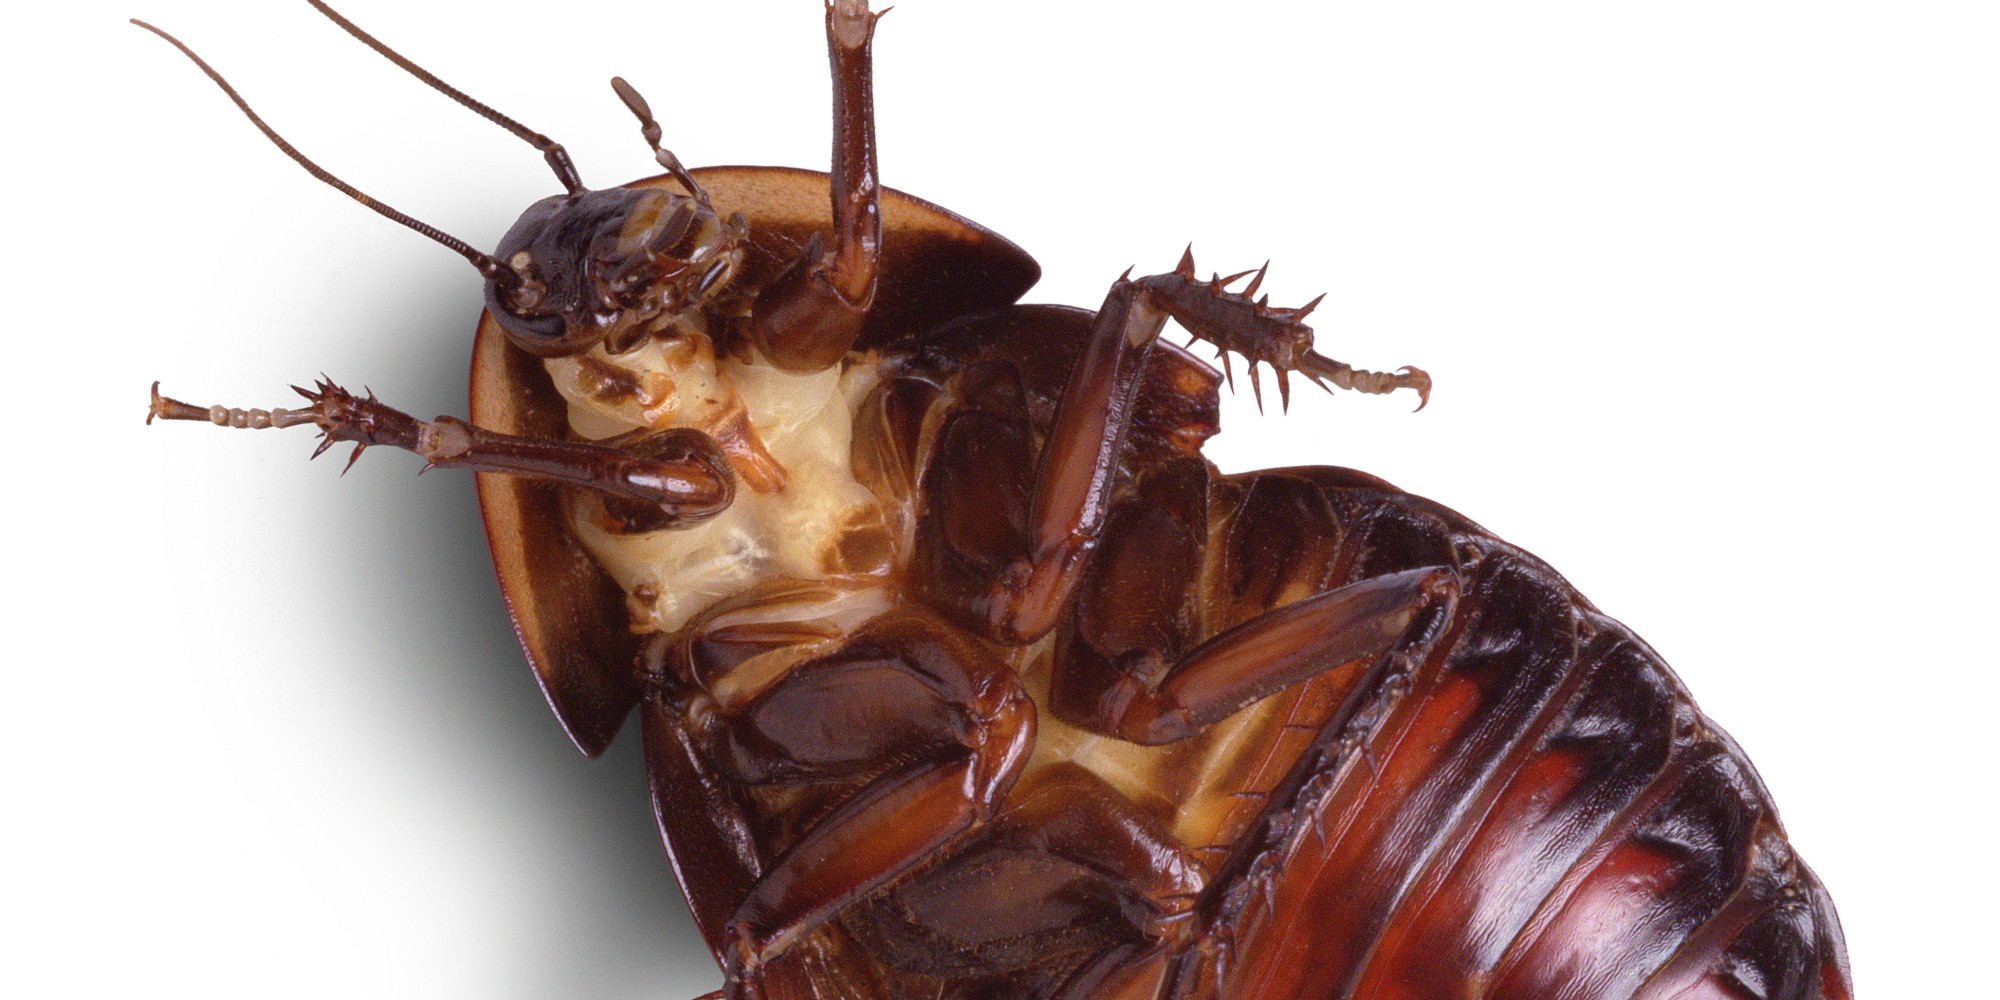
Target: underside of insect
{"points": [[962, 674]]}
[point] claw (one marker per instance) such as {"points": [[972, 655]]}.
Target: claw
{"points": [[1419, 380]]}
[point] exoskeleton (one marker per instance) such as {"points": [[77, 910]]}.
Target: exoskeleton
{"points": [[961, 673]]}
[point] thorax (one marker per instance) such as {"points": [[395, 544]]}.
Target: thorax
{"points": [[798, 508]]}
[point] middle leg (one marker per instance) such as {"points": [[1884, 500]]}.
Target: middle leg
{"points": [[1035, 565]]}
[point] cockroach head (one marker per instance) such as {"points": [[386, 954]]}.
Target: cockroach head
{"points": [[611, 267]]}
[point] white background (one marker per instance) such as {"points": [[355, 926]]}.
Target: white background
{"points": [[1708, 290]]}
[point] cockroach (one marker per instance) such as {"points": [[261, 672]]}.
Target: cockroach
{"points": [[960, 672]]}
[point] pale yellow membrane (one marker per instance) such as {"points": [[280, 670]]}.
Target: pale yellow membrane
{"points": [[804, 421]]}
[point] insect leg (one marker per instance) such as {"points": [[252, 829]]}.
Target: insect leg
{"points": [[683, 474], [905, 687], [1002, 547], [1073, 887], [1173, 701], [1067, 812], [1208, 593], [1079, 467], [806, 320], [1265, 334]]}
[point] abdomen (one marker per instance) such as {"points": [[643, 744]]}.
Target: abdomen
{"points": [[1523, 803]]}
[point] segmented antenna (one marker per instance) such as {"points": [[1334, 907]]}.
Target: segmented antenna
{"points": [[488, 266], [552, 151]]}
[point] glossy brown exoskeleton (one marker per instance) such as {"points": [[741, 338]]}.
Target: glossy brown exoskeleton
{"points": [[961, 673]]}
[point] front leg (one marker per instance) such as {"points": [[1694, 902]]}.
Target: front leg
{"points": [[808, 319], [675, 477]]}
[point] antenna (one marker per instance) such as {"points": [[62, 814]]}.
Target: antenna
{"points": [[552, 151], [486, 263]]}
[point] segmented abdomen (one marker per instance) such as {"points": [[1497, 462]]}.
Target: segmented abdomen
{"points": [[1523, 803]]}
